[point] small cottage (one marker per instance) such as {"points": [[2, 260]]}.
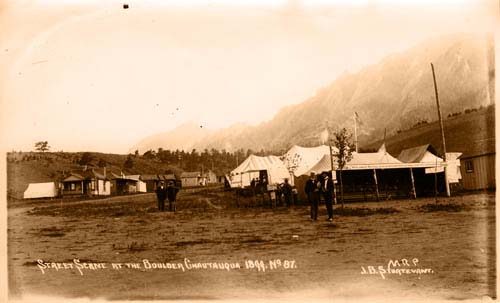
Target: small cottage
{"points": [[192, 179]]}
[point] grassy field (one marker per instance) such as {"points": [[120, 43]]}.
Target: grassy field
{"points": [[454, 242]]}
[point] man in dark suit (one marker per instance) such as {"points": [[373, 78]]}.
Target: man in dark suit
{"points": [[286, 189], [312, 189], [161, 195], [327, 191], [172, 195]]}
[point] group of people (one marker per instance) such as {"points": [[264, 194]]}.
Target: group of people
{"points": [[283, 190], [166, 192], [259, 185], [316, 188], [286, 190]]}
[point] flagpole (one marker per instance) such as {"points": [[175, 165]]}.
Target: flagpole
{"points": [[447, 185], [355, 133]]}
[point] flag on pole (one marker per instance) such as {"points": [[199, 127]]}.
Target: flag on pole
{"points": [[324, 136]]}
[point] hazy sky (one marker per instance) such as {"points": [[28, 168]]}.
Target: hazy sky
{"points": [[89, 75]]}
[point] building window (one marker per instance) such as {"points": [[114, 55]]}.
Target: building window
{"points": [[72, 186], [469, 166], [92, 185]]}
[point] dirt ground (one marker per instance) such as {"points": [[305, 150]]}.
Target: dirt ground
{"points": [[454, 244]]}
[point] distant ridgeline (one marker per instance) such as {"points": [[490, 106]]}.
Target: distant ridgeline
{"points": [[392, 94]]}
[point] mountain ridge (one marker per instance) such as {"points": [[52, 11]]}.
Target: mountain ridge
{"points": [[392, 94]]}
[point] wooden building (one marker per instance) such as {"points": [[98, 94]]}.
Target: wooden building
{"points": [[127, 184], [191, 179], [211, 177], [151, 181], [168, 178], [86, 182], [478, 171]]}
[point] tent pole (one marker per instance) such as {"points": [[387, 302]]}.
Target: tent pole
{"points": [[413, 190], [435, 183], [331, 167], [376, 184]]}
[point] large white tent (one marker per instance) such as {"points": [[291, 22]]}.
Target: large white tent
{"points": [[40, 190], [251, 167], [302, 159], [378, 160]]}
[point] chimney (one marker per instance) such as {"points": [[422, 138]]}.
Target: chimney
{"points": [[104, 172]]}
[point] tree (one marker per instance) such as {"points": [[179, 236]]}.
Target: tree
{"points": [[150, 154], [343, 142], [129, 162], [102, 162], [86, 158], [42, 146]]}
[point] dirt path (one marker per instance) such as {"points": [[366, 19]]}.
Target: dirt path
{"points": [[457, 246]]}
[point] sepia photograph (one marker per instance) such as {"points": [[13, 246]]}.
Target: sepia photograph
{"points": [[240, 151]]}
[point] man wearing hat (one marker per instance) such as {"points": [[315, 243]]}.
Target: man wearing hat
{"points": [[327, 191], [312, 190], [172, 191], [161, 195]]}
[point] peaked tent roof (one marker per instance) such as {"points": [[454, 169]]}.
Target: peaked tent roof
{"points": [[305, 157], [359, 161], [275, 168], [416, 154], [256, 163]]}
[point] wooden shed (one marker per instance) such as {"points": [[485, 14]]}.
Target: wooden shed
{"points": [[478, 171], [151, 181], [191, 179]]}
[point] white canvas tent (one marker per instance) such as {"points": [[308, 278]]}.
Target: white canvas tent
{"points": [[250, 168], [302, 159], [418, 157], [426, 154], [40, 190], [379, 160]]}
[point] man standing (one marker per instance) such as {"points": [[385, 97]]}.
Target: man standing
{"points": [[172, 195], [327, 191], [312, 189], [286, 188], [161, 195]]}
